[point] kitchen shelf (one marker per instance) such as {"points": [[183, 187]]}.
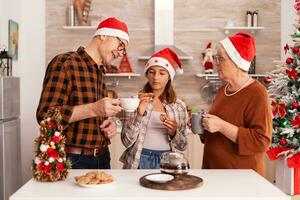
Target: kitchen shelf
{"points": [[129, 75], [215, 76], [145, 29], [94, 28], [214, 82], [243, 28], [115, 76], [79, 27]]}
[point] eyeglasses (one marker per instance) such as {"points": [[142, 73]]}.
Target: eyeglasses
{"points": [[121, 47], [219, 59]]}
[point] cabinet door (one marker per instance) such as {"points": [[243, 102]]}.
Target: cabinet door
{"points": [[12, 157], [9, 97]]}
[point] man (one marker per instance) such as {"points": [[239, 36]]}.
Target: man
{"points": [[74, 82]]}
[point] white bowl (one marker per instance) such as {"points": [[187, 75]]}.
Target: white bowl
{"points": [[130, 104], [159, 178]]}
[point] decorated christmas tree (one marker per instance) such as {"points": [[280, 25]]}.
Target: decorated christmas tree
{"points": [[50, 163], [284, 91]]}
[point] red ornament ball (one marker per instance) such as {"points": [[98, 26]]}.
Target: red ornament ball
{"points": [[283, 142], [289, 60], [52, 124], [295, 105], [295, 49], [59, 166], [267, 79]]}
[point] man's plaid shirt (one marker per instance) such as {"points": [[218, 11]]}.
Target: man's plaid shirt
{"points": [[74, 79]]}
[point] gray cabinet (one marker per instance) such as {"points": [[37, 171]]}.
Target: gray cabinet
{"points": [[10, 153], [10, 157]]}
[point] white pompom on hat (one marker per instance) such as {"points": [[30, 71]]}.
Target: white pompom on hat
{"points": [[113, 27], [165, 58], [241, 49]]}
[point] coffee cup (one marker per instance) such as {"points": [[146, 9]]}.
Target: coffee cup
{"points": [[130, 104], [196, 121]]}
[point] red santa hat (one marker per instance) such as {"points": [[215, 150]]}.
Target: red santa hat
{"points": [[241, 49], [165, 58], [113, 27]]}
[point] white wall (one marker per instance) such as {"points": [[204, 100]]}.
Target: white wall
{"points": [[288, 18], [9, 10], [1, 21], [30, 66]]}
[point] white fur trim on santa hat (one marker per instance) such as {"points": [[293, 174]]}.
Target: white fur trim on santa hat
{"points": [[113, 32], [162, 63], [234, 54]]}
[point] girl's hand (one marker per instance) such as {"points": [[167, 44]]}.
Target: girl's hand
{"points": [[144, 100], [171, 125]]}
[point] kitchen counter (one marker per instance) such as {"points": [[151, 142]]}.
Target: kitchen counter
{"points": [[217, 185]]}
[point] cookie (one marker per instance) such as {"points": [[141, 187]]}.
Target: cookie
{"points": [[94, 178], [163, 117], [144, 94]]}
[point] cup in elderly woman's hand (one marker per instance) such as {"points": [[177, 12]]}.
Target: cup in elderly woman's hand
{"points": [[196, 121]]}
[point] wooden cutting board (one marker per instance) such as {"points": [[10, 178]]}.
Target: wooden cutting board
{"points": [[180, 182]]}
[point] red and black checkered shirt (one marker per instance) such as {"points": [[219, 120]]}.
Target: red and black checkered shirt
{"points": [[74, 79]]}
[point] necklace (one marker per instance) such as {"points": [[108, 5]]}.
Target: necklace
{"points": [[226, 87]]}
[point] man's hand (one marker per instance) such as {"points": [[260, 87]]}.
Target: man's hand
{"points": [[109, 128], [107, 107]]}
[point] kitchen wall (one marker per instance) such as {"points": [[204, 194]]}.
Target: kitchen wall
{"points": [[5, 15], [30, 66], [32, 70], [196, 24]]}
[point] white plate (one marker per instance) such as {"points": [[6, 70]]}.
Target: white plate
{"points": [[159, 178], [94, 185]]}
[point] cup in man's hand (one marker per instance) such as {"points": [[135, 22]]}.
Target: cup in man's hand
{"points": [[130, 104], [196, 121]]}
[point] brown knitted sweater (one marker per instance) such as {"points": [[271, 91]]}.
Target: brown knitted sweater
{"points": [[250, 110]]}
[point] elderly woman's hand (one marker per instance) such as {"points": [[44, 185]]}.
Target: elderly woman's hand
{"points": [[212, 123]]}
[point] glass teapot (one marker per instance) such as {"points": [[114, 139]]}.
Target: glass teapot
{"points": [[174, 163]]}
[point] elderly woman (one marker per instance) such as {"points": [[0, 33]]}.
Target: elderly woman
{"points": [[160, 122], [239, 124]]}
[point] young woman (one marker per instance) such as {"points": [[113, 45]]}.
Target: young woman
{"points": [[160, 122]]}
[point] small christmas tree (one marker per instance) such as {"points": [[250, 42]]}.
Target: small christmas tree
{"points": [[50, 163], [125, 66]]}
